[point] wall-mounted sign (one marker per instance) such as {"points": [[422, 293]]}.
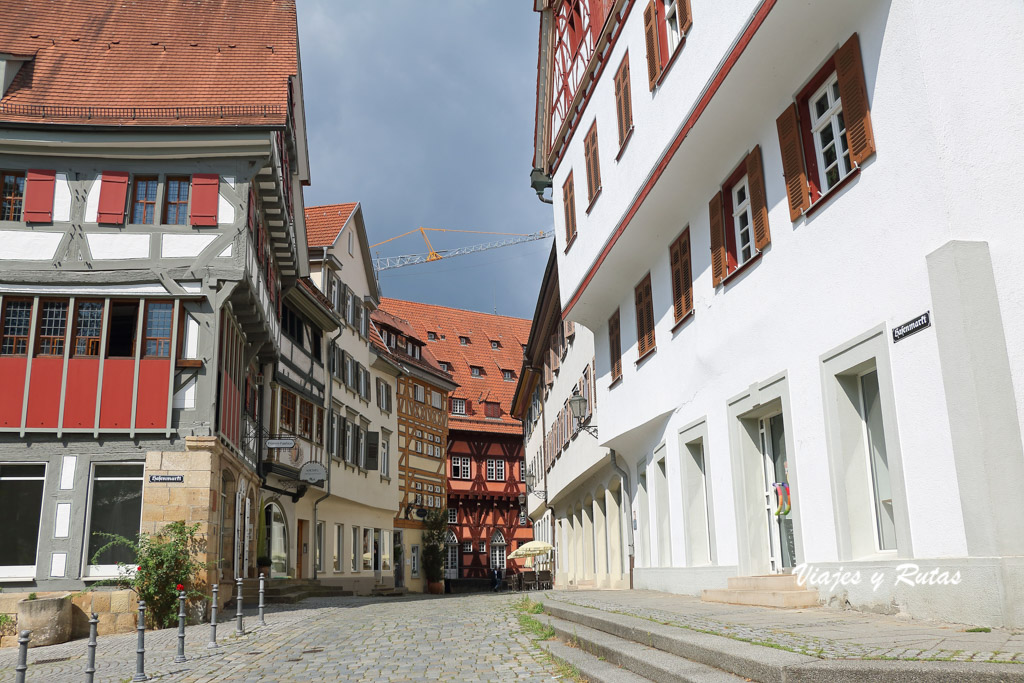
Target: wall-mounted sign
{"points": [[280, 443], [166, 478], [313, 473], [914, 326]]}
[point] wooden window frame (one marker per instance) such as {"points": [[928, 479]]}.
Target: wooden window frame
{"points": [[615, 345], [305, 419], [12, 205], [144, 203], [181, 208], [286, 421], [91, 341], [318, 427], [146, 338], [56, 341], [725, 257]]}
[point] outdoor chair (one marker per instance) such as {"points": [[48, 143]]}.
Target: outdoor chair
{"points": [[529, 580], [544, 579]]}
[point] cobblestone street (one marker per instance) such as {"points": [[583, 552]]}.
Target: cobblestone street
{"points": [[453, 638]]}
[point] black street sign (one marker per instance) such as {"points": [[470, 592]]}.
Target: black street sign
{"points": [[166, 478], [914, 326]]}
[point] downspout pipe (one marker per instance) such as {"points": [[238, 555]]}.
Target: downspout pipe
{"points": [[328, 411], [628, 500]]}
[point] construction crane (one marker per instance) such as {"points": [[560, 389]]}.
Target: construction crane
{"points": [[388, 262]]}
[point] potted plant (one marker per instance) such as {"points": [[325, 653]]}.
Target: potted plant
{"points": [[433, 550], [263, 565]]}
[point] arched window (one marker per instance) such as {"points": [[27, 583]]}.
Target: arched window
{"points": [[277, 539], [498, 551], [451, 556]]}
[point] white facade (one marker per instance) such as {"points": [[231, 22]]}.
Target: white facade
{"points": [[929, 223]]}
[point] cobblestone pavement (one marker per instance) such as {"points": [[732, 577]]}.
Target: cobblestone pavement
{"points": [[448, 638], [820, 632]]}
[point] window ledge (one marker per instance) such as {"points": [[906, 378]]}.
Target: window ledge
{"points": [[643, 359], [671, 61], [625, 141], [593, 201], [749, 264], [568, 245], [615, 382], [385, 478], [190, 363], [682, 321], [832, 192]]}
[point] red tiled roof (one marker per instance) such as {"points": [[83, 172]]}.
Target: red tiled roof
{"points": [[324, 223], [150, 62], [448, 324], [426, 362]]}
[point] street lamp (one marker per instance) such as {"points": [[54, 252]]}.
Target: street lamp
{"points": [[531, 479], [578, 407]]}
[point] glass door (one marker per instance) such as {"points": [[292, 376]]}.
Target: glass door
{"points": [[778, 495]]}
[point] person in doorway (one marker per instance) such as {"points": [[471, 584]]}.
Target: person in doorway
{"points": [[495, 579]]}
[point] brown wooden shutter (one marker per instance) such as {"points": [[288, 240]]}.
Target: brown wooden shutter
{"points": [[685, 16], [619, 111], [718, 257], [652, 43], [758, 203], [615, 346], [793, 169], [569, 202], [644, 317], [593, 169], [677, 280], [682, 286], [854, 93]]}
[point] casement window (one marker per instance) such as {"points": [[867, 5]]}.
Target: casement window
{"points": [[353, 554], [158, 329], [508, 375], [460, 468], [682, 280], [739, 219], [431, 336], [430, 501], [623, 101], [122, 330], [21, 489], [495, 470], [88, 326], [39, 188], [287, 421], [367, 549], [350, 443], [453, 516], [364, 324], [435, 399], [12, 195], [414, 559], [483, 546], [464, 340], [361, 446], [419, 499], [467, 547], [318, 429], [291, 324], [644, 317], [339, 543], [17, 317], [319, 546], [115, 508], [569, 205], [476, 371], [144, 200], [666, 25], [458, 406], [590, 151], [385, 458], [176, 200], [826, 134], [420, 393], [53, 321], [615, 346]]}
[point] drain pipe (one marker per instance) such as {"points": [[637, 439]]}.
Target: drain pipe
{"points": [[629, 506], [330, 436]]}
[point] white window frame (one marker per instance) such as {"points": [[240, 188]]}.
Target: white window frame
{"points": [[458, 406], [490, 470], [460, 468], [361, 438], [476, 371], [29, 571], [483, 546], [319, 541], [420, 393], [820, 123], [672, 32], [350, 242], [350, 442], [453, 516], [507, 375], [467, 547], [436, 399], [741, 210], [385, 456], [414, 556], [339, 548], [498, 555], [499, 470], [354, 553], [105, 571]]}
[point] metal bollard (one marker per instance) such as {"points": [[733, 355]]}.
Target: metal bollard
{"points": [[239, 628], [90, 661], [213, 621], [140, 648], [22, 667], [180, 657], [262, 622]]}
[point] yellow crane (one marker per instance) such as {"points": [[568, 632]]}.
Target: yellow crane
{"points": [[388, 262]]}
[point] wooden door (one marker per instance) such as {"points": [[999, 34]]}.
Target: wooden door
{"points": [[301, 549]]}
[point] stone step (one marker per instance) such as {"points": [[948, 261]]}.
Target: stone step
{"points": [[590, 667], [769, 582], [790, 599], [644, 661], [733, 656]]}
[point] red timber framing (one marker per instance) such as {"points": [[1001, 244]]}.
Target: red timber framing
{"points": [[485, 507], [85, 366]]}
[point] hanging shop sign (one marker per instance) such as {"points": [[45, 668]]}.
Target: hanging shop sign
{"points": [[914, 326], [313, 473], [280, 443], [166, 478]]}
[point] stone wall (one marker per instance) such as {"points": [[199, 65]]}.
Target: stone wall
{"points": [[116, 610]]}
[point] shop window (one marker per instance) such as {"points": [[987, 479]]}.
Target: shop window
{"points": [[115, 509], [21, 489], [123, 327]]}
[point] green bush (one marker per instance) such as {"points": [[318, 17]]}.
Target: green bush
{"points": [[163, 562], [434, 538]]}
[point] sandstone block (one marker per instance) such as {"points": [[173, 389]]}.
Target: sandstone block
{"points": [[121, 601]]}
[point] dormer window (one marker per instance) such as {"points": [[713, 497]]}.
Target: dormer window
{"points": [[444, 366], [495, 344], [464, 340], [431, 336], [508, 375], [476, 371]]}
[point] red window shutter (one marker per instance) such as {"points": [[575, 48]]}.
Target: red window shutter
{"points": [[39, 196], [614, 346], [793, 169], [718, 257], [113, 196], [854, 94], [205, 196], [652, 43], [685, 16], [758, 203]]}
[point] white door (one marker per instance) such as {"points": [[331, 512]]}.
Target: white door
{"points": [[778, 494]]}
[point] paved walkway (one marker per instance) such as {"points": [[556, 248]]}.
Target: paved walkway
{"points": [[447, 638], [821, 632]]}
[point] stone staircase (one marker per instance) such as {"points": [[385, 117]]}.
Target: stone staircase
{"points": [[772, 590], [615, 648], [384, 590], [287, 591]]}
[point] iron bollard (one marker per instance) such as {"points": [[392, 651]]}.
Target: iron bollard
{"points": [[180, 657], [239, 628], [262, 622], [140, 648], [90, 661], [22, 666], [213, 621]]}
